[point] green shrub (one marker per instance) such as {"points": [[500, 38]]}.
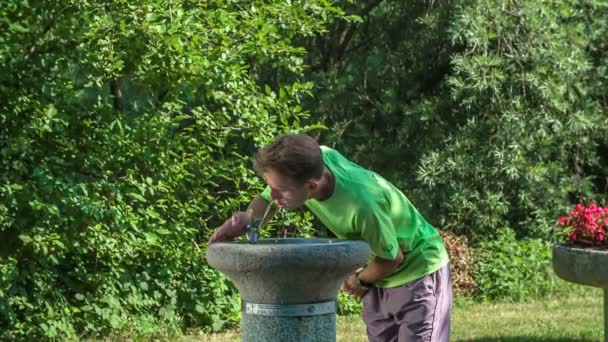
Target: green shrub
{"points": [[489, 114], [347, 305], [531, 128], [126, 131], [513, 270]]}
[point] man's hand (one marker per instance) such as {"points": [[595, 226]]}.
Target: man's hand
{"points": [[232, 228], [351, 287]]}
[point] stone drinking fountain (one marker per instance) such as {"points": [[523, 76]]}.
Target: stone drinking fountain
{"points": [[288, 286]]}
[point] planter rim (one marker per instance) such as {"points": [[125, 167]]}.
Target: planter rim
{"points": [[577, 248], [586, 266]]}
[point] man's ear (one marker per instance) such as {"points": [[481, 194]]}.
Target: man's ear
{"points": [[312, 184]]}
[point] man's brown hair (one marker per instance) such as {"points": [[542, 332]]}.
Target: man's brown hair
{"points": [[296, 156]]}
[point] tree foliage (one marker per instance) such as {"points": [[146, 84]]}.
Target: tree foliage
{"points": [[487, 114], [126, 130]]}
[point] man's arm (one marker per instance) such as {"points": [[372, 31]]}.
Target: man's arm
{"points": [[380, 268], [235, 225], [375, 270]]}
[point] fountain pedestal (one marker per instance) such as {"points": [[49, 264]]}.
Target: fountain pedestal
{"points": [[288, 286]]}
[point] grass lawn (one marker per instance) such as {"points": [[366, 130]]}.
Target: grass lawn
{"points": [[575, 319]]}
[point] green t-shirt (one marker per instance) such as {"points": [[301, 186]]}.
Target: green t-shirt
{"points": [[364, 206]]}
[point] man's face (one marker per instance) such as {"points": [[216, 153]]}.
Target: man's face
{"points": [[284, 192]]}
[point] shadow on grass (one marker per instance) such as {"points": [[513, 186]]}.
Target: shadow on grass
{"points": [[527, 339]]}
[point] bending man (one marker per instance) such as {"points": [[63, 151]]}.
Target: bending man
{"points": [[406, 287]]}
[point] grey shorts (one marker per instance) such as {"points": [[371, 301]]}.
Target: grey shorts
{"points": [[418, 311]]}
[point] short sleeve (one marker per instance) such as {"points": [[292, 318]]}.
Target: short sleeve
{"points": [[266, 194], [378, 231]]}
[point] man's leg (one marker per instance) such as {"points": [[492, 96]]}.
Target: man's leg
{"points": [[422, 308], [380, 325], [443, 312]]}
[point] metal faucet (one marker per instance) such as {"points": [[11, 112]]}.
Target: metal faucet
{"points": [[253, 228], [253, 231]]}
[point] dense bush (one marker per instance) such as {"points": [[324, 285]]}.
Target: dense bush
{"points": [[533, 128], [487, 114], [513, 270], [126, 130]]}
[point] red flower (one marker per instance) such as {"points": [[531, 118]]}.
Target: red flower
{"points": [[587, 225]]}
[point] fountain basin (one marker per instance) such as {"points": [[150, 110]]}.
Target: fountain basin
{"points": [[288, 286]]}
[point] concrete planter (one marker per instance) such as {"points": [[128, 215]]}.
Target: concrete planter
{"points": [[585, 266], [288, 286]]}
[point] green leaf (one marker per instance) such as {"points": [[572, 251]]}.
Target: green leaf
{"points": [[25, 238], [136, 196], [16, 187], [143, 285], [152, 239]]}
